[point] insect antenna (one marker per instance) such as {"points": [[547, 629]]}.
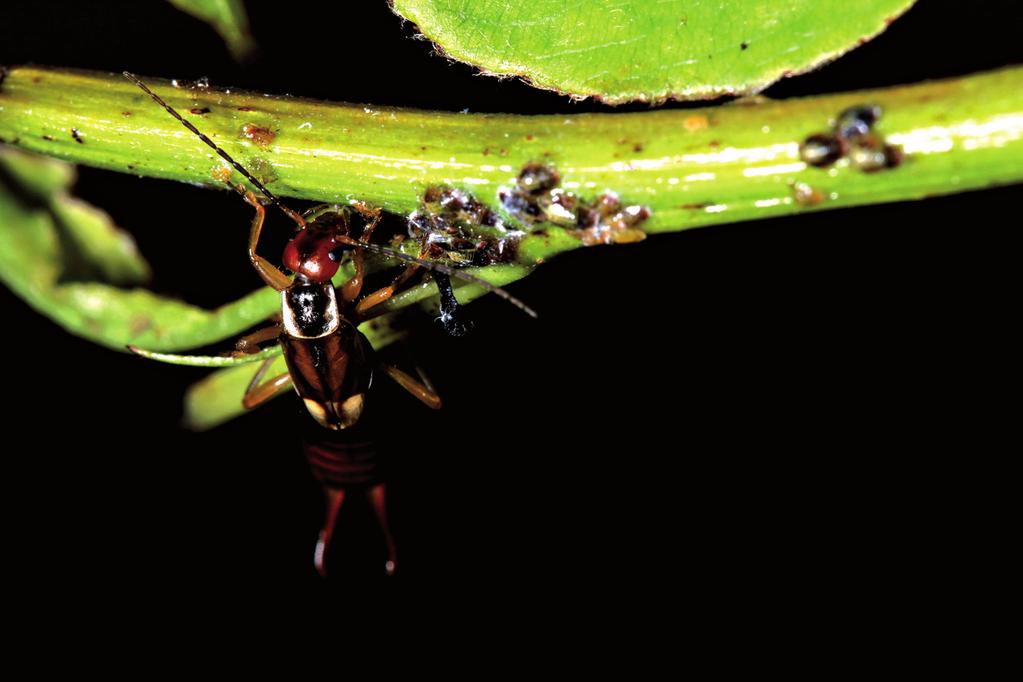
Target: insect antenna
{"points": [[224, 155], [439, 267], [429, 265]]}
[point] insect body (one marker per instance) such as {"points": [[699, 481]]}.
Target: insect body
{"points": [[330, 362]]}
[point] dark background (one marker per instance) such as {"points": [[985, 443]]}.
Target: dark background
{"points": [[712, 411]]}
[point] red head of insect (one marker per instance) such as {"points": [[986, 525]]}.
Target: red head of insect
{"points": [[314, 253]]}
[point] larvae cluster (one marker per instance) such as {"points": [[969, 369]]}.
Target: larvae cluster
{"points": [[537, 198], [452, 226], [852, 137]]}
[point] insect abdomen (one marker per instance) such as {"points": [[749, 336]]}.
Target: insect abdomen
{"points": [[332, 374], [338, 463]]}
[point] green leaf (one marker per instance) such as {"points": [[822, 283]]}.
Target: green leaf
{"points": [[39, 176], [208, 360], [218, 398], [61, 255], [624, 50], [100, 242], [89, 239], [228, 18]]}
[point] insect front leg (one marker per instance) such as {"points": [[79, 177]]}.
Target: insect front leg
{"points": [[380, 295], [250, 342], [269, 272], [351, 289]]}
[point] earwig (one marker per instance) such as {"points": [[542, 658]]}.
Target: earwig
{"points": [[330, 362]]}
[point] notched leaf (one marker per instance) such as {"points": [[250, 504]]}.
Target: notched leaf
{"points": [[100, 242], [88, 238], [228, 18], [632, 50], [64, 257]]}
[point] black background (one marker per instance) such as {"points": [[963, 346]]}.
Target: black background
{"points": [[757, 404]]}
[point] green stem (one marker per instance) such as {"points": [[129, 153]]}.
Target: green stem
{"points": [[691, 167]]}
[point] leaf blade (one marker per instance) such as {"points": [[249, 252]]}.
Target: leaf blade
{"points": [[228, 18], [634, 50]]}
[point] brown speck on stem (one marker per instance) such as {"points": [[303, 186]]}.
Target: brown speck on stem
{"points": [[246, 109], [126, 114], [695, 122], [221, 173], [805, 195], [199, 111], [743, 45], [48, 138]]}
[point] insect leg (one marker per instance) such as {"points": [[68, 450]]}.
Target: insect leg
{"points": [[372, 216], [270, 274], [378, 499], [384, 293], [422, 391], [258, 393], [250, 342], [351, 289]]}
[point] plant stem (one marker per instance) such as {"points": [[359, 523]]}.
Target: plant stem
{"points": [[691, 167]]}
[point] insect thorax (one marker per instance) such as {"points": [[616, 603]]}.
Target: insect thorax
{"points": [[309, 311]]}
